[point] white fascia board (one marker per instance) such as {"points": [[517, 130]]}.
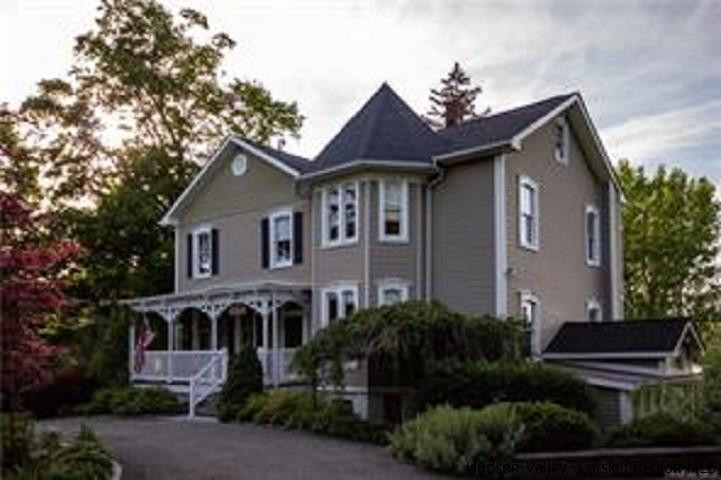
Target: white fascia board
{"points": [[614, 355], [169, 218], [519, 137], [396, 164]]}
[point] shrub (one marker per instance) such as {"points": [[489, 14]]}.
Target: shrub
{"points": [[27, 454], [132, 401], [298, 409], [478, 384], [458, 440], [67, 389], [661, 430], [549, 427], [712, 386], [245, 377]]}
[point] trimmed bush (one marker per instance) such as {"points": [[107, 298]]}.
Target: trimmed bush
{"points": [[549, 427], [661, 430], [300, 410], [458, 440], [132, 401], [67, 390], [245, 378], [479, 384], [711, 387]]}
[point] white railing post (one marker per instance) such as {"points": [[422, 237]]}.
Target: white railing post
{"points": [[131, 349], [213, 332], [171, 327], [191, 399]]}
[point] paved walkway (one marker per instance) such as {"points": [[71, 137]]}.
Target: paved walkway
{"points": [[175, 448]]}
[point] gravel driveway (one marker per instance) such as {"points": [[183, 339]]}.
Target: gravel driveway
{"points": [[176, 448]]}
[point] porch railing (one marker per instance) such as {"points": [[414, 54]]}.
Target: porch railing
{"points": [[179, 365], [280, 371], [207, 381]]}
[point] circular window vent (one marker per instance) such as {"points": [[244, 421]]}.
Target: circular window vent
{"points": [[239, 165]]}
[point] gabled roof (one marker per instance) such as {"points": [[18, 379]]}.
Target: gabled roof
{"points": [[622, 339], [296, 162], [385, 128], [502, 126]]}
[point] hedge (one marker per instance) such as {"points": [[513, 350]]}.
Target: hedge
{"points": [[479, 384], [661, 430], [132, 401]]}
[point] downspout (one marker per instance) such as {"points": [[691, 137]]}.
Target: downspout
{"points": [[429, 228]]}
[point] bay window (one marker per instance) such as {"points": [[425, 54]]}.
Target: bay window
{"points": [[393, 214], [340, 214]]}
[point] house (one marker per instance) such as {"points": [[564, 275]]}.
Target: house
{"points": [[515, 214]]}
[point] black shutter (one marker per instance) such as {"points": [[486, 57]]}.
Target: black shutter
{"points": [[264, 243], [297, 238], [215, 250], [189, 265]]}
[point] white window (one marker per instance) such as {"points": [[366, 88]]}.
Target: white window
{"points": [[593, 310], [281, 239], [561, 141], [203, 256], [340, 214], [531, 314], [593, 236], [339, 302], [393, 214], [392, 292], [528, 218]]}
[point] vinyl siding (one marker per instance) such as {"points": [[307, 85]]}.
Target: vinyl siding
{"points": [[235, 206], [463, 275], [557, 273]]}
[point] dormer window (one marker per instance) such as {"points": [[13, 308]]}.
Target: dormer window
{"points": [[561, 141], [393, 215], [340, 214]]}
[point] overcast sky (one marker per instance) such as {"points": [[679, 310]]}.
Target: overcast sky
{"points": [[649, 71]]}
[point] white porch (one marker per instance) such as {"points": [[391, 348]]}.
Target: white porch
{"points": [[197, 333]]}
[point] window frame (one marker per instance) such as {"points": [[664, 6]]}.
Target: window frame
{"points": [[523, 182], [338, 290], [562, 157], [342, 239], [392, 284], [593, 304], [402, 236], [197, 232], [273, 261], [595, 260], [534, 325]]}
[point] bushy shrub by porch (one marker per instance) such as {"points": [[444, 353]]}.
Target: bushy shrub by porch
{"points": [[27, 454], [245, 378], [463, 440], [406, 338], [296, 409], [662, 430], [478, 384], [132, 401], [711, 387]]}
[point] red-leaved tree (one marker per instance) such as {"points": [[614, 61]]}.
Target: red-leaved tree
{"points": [[30, 291]]}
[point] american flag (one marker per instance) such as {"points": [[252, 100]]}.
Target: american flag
{"points": [[144, 340]]}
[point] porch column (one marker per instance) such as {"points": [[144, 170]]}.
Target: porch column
{"points": [[170, 322], [214, 332], [131, 348], [276, 346]]}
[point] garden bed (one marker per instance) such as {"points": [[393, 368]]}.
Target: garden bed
{"points": [[666, 462]]}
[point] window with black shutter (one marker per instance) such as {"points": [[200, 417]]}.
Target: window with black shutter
{"points": [[215, 251], [264, 242], [189, 252], [298, 238]]}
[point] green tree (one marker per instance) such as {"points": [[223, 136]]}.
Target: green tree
{"points": [[672, 224], [455, 101]]}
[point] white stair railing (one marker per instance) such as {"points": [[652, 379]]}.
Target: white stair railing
{"points": [[207, 381]]}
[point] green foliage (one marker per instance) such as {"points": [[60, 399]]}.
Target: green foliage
{"points": [[245, 378], [458, 440], [712, 386], [672, 225], [477, 384], [406, 338], [661, 430], [454, 102], [549, 427], [302, 410], [132, 401], [31, 455]]}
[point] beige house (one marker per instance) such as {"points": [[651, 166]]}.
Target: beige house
{"points": [[515, 214]]}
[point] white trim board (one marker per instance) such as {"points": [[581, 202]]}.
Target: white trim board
{"points": [[499, 220]]}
